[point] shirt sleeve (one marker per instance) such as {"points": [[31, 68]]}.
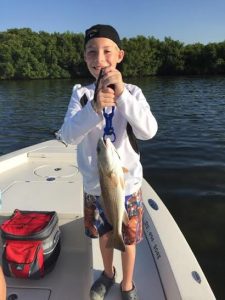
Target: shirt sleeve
{"points": [[79, 121], [133, 105]]}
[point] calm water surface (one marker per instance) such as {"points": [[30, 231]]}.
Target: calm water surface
{"points": [[185, 162]]}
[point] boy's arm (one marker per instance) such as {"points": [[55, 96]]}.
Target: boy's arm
{"points": [[78, 121], [133, 106]]}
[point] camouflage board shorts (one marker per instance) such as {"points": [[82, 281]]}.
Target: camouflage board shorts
{"points": [[97, 225]]}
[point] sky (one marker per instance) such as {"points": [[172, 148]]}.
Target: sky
{"points": [[189, 21]]}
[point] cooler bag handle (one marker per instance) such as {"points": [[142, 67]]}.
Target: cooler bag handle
{"points": [[30, 225]]}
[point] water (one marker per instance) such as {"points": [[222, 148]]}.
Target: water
{"points": [[185, 162]]}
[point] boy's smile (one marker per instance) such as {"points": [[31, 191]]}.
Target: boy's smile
{"points": [[101, 53]]}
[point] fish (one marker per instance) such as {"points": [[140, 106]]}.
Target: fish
{"points": [[112, 184]]}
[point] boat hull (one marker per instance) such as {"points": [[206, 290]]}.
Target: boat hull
{"points": [[46, 177]]}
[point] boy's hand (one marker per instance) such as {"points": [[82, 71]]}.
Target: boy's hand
{"points": [[114, 77], [105, 98], [106, 95]]}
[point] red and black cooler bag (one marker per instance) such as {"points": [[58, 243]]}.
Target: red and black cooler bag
{"points": [[31, 243]]}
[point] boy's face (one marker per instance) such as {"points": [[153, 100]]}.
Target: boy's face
{"points": [[100, 53]]}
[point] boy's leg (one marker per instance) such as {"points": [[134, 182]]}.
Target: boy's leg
{"points": [[132, 233], [107, 256], [96, 225], [103, 284], [128, 261]]}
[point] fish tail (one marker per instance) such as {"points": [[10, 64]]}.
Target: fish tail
{"points": [[116, 242]]}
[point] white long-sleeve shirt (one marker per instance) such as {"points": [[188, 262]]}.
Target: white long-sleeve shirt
{"points": [[83, 126]]}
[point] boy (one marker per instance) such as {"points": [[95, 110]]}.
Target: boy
{"points": [[84, 124]]}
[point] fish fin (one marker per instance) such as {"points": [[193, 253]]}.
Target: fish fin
{"points": [[125, 170], [125, 218], [114, 179], [107, 215], [100, 200], [110, 221], [116, 242]]}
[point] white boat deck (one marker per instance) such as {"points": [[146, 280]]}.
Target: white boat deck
{"points": [[45, 177]]}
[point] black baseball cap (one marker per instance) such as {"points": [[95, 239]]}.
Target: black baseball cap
{"points": [[99, 30]]}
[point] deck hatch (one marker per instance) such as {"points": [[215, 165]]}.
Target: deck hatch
{"points": [[27, 294], [56, 170]]}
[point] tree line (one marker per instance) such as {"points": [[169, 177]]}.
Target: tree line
{"points": [[25, 54]]}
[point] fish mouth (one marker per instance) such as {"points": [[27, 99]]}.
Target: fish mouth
{"points": [[106, 142], [101, 143]]}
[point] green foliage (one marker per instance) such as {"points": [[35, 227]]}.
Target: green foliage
{"points": [[25, 54], [141, 56], [171, 57]]}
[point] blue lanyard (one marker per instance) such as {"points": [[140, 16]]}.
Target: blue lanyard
{"points": [[109, 130]]}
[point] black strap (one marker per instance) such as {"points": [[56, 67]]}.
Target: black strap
{"points": [[130, 133], [83, 100], [132, 138]]}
